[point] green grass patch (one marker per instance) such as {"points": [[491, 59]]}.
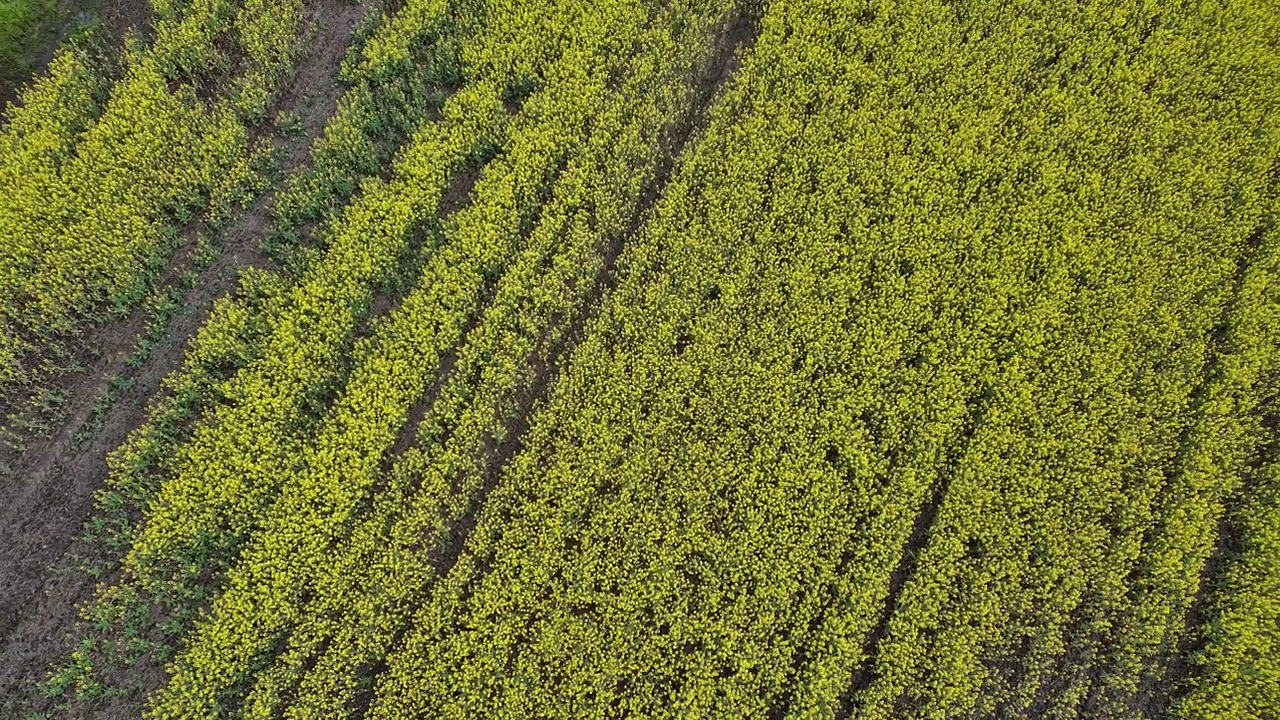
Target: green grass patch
{"points": [[23, 26]]}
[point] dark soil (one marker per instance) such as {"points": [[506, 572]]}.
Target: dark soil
{"points": [[117, 17], [120, 16], [51, 494]]}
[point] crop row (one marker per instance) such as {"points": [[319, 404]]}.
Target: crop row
{"points": [[619, 563], [1096, 367], [477, 243], [220, 481], [315, 192], [1235, 672], [363, 592], [94, 168], [922, 391], [241, 328], [656, 547]]}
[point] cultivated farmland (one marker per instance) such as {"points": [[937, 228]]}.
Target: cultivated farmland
{"points": [[625, 358]]}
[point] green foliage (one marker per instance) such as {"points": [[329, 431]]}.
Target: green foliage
{"points": [[20, 24]]}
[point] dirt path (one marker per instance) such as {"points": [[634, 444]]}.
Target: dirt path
{"points": [[52, 492]]}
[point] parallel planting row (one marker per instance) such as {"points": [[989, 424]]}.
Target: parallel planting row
{"points": [[102, 161], [714, 358]]}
